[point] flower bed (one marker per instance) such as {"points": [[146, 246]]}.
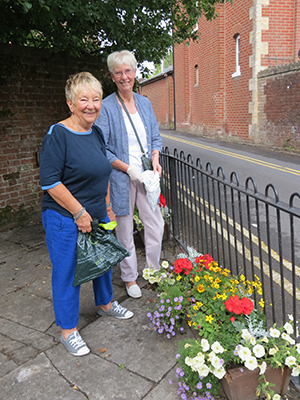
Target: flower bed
{"points": [[232, 329]]}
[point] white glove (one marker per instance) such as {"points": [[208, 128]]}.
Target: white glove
{"points": [[135, 174]]}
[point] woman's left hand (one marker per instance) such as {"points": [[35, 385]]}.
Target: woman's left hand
{"points": [[155, 164]]}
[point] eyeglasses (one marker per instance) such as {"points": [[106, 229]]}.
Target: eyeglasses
{"points": [[127, 72]]}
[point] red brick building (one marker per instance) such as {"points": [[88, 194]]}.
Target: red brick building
{"points": [[217, 87]]}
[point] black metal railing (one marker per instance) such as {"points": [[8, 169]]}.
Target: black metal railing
{"points": [[245, 231]]}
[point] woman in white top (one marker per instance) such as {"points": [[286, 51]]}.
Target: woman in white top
{"points": [[124, 153]]}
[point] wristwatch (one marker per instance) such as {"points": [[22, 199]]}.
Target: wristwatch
{"points": [[108, 205]]}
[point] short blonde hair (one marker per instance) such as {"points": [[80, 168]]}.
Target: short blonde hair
{"points": [[82, 79], [118, 58]]}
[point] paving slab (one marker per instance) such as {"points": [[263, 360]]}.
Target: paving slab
{"points": [[98, 377], [132, 343], [37, 379]]}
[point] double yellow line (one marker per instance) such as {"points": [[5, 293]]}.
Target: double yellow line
{"points": [[233, 155]]}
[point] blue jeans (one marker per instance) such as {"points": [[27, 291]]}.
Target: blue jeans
{"points": [[61, 239]]}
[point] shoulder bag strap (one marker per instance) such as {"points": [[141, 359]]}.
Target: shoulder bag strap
{"points": [[129, 117]]}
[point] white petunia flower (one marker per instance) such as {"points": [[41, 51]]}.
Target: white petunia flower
{"points": [[153, 279], [203, 371], [146, 273], [251, 363], [288, 338], [216, 362], [262, 368], [165, 264], [272, 351], [274, 332], [289, 328], [244, 353], [298, 347], [246, 335], [259, 351], [290, 361], [189, 361], [217, 348], [291, 318], [219, 372], [205, 345], [253, 341], [296, 371], [276, 397], [265, 339]]}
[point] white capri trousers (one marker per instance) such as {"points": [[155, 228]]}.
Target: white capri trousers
{"points": [[153, 232]]}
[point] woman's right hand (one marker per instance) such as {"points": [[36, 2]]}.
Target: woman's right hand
{"points": [[84, 223]]}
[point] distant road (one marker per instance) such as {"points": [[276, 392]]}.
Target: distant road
{"points": [[264, 166]]}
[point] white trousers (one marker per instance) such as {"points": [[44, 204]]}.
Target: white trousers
{"points": [[153, 232]]}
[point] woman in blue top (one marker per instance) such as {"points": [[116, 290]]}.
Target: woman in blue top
{"points": [[124, 153], [74, 174]]}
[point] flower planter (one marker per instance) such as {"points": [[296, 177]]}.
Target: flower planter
{"points": [[239, 385]]}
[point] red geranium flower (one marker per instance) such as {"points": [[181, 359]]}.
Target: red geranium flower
{"points": [[183, 264], [239, 306], [162, 201], [205, 259]]}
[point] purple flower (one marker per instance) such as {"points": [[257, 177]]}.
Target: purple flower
{"points": [[175, 299], [199, 385], [162, 301], [168, 300], [168, 336], [208, 385], [149, 315], [180, 299], [178, 356], [183, 396], [181, 329], [170, 381], [181, 373], [173, 333]]}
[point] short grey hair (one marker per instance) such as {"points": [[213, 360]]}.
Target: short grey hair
{"points": [[118, 58], [80, 80]]}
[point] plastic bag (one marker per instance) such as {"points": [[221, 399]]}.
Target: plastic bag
{"points": [[97, 252], [152, 187]]}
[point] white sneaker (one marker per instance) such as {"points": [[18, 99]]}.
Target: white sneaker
{"points": [[134, 291], [75, 344]]}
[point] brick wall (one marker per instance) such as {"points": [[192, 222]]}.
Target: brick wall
{"points": [[159, 91], [279, 118], [32, 98]]}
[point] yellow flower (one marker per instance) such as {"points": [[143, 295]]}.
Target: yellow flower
{"points": [[194, 323], [209, 318], [262, 303], [178, 278], [197, 279], [224, 296], [260, 292], [189, 323], [195, 307], [243, 277], [199, 304], [200, 288]]}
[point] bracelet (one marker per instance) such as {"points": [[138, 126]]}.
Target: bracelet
{"points": [[81, 212], [153, 153], [108, 205], [77, 212]]}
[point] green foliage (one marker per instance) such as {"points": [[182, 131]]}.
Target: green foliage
{"points": [[102, 26]]}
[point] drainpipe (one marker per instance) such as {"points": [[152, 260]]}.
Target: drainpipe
{"points": [[174, 97]]}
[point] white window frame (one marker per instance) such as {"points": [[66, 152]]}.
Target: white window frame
{"points": [[197, 75], [237, 56]]}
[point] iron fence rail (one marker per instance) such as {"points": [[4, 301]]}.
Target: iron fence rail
{"points": [[245, 231]]}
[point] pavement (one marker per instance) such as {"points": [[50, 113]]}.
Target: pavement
{"points": [[128, 360]]}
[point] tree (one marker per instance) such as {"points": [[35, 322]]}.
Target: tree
{"points": [[93, 26]]}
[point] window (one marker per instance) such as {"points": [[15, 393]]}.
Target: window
{"points": [[237, 56], [196, 75]]}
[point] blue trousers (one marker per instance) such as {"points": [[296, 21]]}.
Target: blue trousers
{"points": [[61, 239]]}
